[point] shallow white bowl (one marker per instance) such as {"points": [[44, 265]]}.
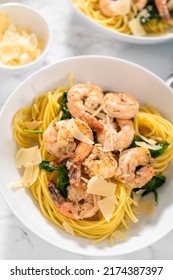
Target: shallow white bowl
{"points": [[111, 74], [26, 16], [144, 40]]}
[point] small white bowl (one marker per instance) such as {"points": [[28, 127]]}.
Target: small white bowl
{"points": [[26, 16], [143, 40]]}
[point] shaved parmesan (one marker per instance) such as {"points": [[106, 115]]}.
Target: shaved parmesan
{"points": [[107, 206], [99, 186], [72, 127], [148, 140], [108, 141], [119, 8], [117, 234], [147, 146], [28, 155], [8, 51], [68, 228], [145, 207], [136, 27], [93, 113], [18, 45], [33, 125], [29, 177]]}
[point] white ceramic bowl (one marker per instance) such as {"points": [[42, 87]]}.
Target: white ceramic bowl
{"points": [[121, 36], [99, 70], [26, 16]]}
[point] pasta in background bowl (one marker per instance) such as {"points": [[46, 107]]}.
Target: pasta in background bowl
{"points": [[151, 90], [133, 21]]}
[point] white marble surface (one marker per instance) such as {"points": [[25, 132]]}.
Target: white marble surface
{"points": [[71, 37]]}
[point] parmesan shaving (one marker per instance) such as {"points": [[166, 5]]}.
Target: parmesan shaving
{"points": [[18, 45], [33, 125], [68, 228], [98, 110], [108, 141], [29, 177], [107, 206], [76, 133], [136, 27], [99, 186], [148, 140], [147, 146], [25, 155], [117, 234], [145, 207], [92, 112]]}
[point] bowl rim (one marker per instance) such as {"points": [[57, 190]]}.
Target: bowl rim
{"points": [[118, 35], [48, 42], [24, 222]]}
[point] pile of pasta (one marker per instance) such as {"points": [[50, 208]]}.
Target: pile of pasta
{"points": [[18, 44], [37, 117]]}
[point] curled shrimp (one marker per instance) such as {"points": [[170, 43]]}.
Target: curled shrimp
{"points": [[79, 204], [112, 8], [120, 105], [91, 96], [163, 10], [58, 141], [121, 138], [136, 167], [100, 163]]}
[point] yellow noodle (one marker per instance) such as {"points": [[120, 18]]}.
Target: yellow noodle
{"points": [[46, 108]]}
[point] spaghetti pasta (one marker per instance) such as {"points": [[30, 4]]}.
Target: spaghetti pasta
{"points": [[47, 108], [150, 20]]}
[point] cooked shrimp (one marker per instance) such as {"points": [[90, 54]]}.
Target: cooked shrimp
{"points": [[91, 96], [100, 163], [112, 8], [136, 167], [79, 204], [120, 105], [121, 139], [58, 141], [163, 10]]}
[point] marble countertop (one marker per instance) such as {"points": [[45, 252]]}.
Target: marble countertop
{"points": [[71, 37]]}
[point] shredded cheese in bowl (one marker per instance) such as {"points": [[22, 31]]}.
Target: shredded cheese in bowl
{"points": [[18, 44]]}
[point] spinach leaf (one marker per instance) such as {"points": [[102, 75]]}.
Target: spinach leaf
{"points": [[154, 153], [152, 186], [45, 164], [66, 115], [33, 131], [63, 179]]}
